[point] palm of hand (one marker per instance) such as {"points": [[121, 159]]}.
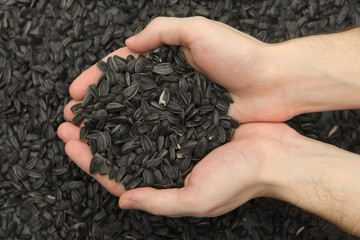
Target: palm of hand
{"points": [[234, 173]]}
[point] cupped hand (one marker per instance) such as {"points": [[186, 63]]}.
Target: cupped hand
{"points": [[237, 61], [226, 178]]}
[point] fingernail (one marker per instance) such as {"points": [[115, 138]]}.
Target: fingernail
{"points": [[130, 39], [127, 204]]}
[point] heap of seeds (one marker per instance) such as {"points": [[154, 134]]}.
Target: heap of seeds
{"points": [[152, 118], [45, 45]]}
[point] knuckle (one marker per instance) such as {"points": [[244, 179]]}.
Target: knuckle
{"points": [[193, 26], [200, 22], [200, 19], [157, 20]]}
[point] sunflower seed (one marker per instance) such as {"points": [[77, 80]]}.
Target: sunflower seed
{"points": [[163, 68], [76, 109], [103, 168], [99, 114], [95, 165], [103, 88], [146, 144], [87, 100], [130, 91], [78, 119], [83, 133], [102, 65], [164, 97]]}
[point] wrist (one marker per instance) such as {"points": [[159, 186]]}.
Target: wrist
{"points": [[316, 77], [319, 178]]}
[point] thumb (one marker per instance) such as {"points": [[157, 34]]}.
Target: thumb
{"points": [[161, 30], [168, 202]]}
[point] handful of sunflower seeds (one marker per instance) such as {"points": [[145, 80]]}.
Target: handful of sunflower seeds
{"points": [[151, 119]]}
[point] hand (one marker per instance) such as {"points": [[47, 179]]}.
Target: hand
{"points": [[231, 58], [268, 82], [226, 178], [217, 184], [264, 160]]}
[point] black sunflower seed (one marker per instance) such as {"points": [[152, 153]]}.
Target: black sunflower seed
{"points": [[103, 168], [146, 144], [83, 133], [140, 64], [163, 68], [130, 66], [130, 91], [153, 163], [160, 142], [120, 174], [221, 134], [148, 177], [95, 164], [99, 114], [104, 88], [164, 97], [190, 144], [78, 119], [102, 65], [134, 183], [76, 109], [87, 100], [113, 172], [200, 150], [114, 107], [158, 176], [174, 108], [121, 63]]}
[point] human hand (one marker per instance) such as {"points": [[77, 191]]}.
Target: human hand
{"points": [[237, 61], [217, 184], [268, 82], [264, 160], [226, 178]]}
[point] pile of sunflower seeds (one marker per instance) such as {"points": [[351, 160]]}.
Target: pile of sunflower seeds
{"points": [[45, 45], [152, 119]]}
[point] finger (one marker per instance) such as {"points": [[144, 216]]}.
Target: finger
{"points": [[68, 131], [68, 114], [168, 202], [79, 87], [162, 30], [81, 154]]}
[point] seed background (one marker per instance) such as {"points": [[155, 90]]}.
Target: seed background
{"points": [[45, 45]]}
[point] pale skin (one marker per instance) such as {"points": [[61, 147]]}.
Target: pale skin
{"points": [[270, 83]]}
